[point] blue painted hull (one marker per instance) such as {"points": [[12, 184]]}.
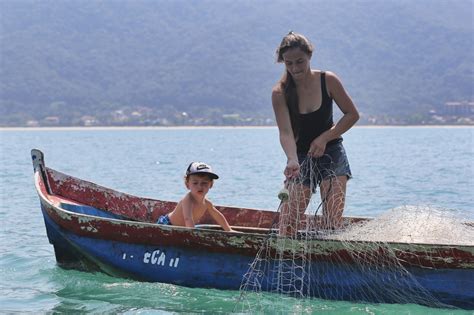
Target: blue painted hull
{"points": [[94, 228], [165, 264], [194, 268]]}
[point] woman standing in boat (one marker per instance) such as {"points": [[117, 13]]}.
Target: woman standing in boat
{"points": [[302, 101]]}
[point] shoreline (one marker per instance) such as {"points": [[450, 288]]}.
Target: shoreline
{"points": [[113, 128]]}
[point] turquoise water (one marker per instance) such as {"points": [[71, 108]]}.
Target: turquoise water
{"points": [[392, 167]]}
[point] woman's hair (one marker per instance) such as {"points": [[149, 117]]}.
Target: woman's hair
{"points": [[292, 40]]}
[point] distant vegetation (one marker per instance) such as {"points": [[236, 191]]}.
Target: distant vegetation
{"points": [[170, 62]]}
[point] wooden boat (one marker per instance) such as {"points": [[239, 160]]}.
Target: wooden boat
{"points": [[94, 228]]}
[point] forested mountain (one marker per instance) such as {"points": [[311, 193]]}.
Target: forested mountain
{"points": [[74, 58]]}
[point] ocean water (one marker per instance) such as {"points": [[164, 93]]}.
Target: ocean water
{"points": [[392, 166]]}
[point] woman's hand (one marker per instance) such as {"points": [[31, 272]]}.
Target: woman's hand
{"points": [[317, 147], [292, 169]]}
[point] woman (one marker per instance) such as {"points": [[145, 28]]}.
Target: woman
{"points": [[302, 102]]}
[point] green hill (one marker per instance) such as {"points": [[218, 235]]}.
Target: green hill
{"points": [[207, 58]]}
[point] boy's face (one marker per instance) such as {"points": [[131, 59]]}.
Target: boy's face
{"points": [[199, 184]]}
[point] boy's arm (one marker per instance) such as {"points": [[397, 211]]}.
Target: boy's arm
{"points": [[188, 212], [219, 217]]}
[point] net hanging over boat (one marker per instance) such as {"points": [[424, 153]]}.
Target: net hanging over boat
{"points": [[311, 253]]}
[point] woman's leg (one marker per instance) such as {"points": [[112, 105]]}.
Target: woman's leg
{"points": [[333, 196], [292, 211]]}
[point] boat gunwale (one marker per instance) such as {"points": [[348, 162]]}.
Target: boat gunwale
{"points": [[393, 245]]}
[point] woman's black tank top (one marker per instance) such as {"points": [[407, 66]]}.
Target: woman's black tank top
{"points": [[315, 123]]}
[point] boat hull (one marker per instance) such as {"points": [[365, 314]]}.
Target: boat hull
{"points": [[206, 269], [94, 228]]}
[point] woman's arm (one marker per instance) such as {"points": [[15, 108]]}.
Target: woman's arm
{"points": [[287, 139], [346, 105]]}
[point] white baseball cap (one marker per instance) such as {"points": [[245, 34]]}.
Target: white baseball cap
{"points": [[200, 168]]}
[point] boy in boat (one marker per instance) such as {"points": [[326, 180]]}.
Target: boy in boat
{"points": [[199, 179]]}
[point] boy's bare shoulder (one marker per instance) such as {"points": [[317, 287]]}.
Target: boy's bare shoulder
{"points": [[209, 204], [187, 199]]}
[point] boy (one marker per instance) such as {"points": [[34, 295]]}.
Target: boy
{"points": [[198, 180]]}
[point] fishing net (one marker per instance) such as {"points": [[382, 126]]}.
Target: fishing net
{"points": [[311, 253]]}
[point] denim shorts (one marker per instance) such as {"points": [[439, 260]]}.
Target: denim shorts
{"points": [[333, 163]]}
